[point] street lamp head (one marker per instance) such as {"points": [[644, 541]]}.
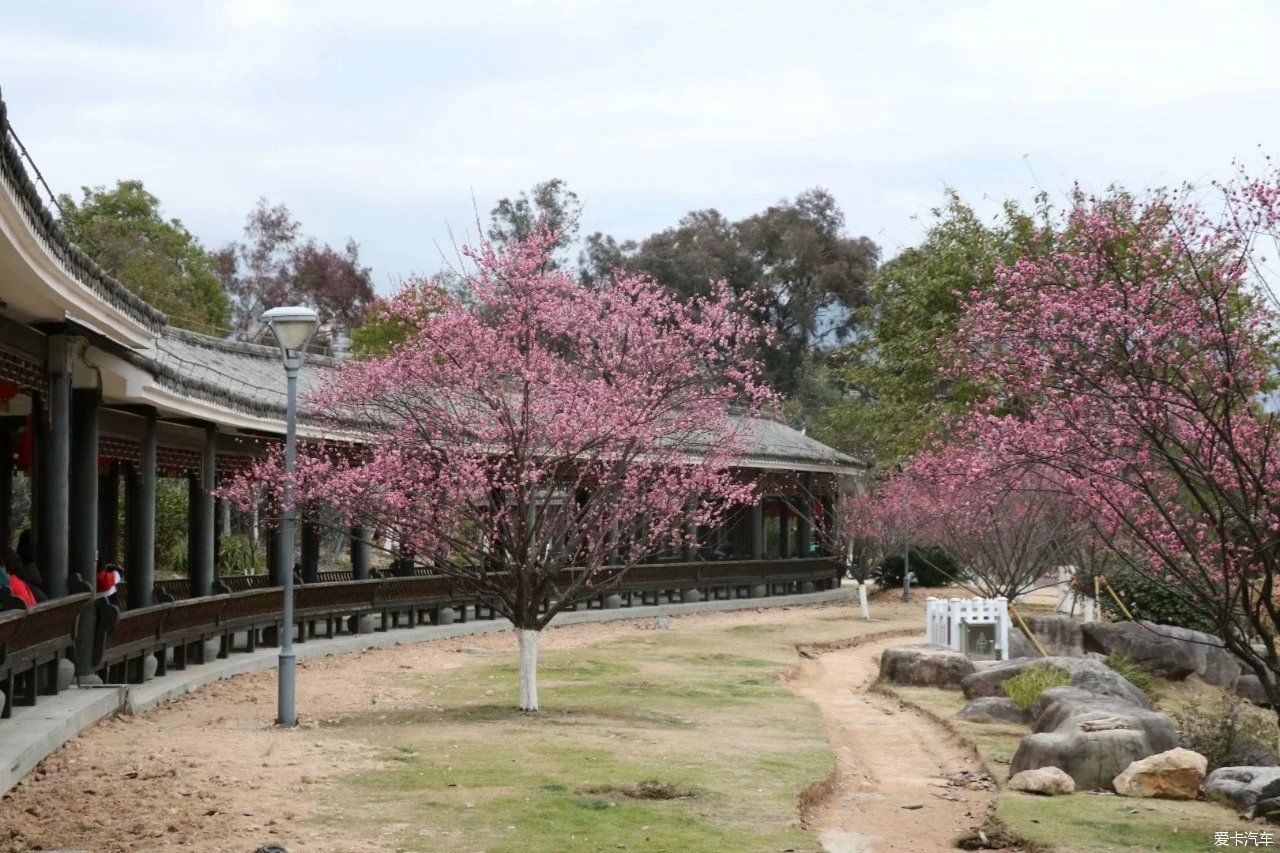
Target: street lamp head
{"points": [[293, 327]]}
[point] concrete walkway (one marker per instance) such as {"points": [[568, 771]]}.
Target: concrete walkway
{"points": [[34, 732]]}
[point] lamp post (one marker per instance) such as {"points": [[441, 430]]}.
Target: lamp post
{"points": [[293, 328]]}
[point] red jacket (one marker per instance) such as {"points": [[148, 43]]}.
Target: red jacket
{"points": [[19, 588]]}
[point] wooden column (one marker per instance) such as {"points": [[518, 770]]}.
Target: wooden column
{"points": [[310, 549], [82, 545], [55, 472], [757, 530], [359, 553]]}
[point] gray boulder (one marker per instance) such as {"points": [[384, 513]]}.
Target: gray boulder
{"points": [[993, 709], [1167, 651], [1249, 686], [1092, 737], [1086, 674], [1049, 781], [1243, 787], [66, 673], [925, 665], [1093, 749], [1059, 635]]}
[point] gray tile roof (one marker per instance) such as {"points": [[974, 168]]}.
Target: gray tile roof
{"points": [[248, 378]]}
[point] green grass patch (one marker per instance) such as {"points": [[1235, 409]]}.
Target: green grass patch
{"points": [[682, 740]]}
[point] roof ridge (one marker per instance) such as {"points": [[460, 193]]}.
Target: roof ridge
{"points": [[76, 262]]}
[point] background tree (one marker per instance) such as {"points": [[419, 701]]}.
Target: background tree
{"points": [[794, 260], [275, 265], [536, 439], [158, 259], [897, 389], [551, 206]]}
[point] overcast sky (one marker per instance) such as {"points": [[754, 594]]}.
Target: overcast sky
{"points": [[392, 121]]}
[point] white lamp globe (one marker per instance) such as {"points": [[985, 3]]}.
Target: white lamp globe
{"points": [[293, 325]]}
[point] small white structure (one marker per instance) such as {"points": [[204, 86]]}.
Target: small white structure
{"points": [[979, 627]]}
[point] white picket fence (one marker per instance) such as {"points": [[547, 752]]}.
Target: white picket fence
{"points": [[944, 618]]}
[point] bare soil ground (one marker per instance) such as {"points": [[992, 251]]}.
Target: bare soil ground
{"points": [[903, 781], [210, 772]]}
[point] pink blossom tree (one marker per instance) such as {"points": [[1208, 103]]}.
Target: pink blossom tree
{"points": [[534, 437], [1005, 527], [1136, 362]]}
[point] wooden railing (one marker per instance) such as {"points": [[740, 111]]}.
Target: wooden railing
{"points": [[192, 631]]}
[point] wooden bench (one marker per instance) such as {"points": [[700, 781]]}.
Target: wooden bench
{"points": [[31, 643]]}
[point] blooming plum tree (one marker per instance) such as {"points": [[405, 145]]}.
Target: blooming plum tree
{"points": [[1136, 362], [1005, 527], [533, 437]]}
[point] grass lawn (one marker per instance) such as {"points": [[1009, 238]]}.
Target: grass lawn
{"points": [[1084, 822], [684, 739]]}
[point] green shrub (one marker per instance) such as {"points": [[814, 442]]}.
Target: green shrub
{"points": [[1025, 687], [1156, 601], [1226, 730], [237, 556], [930, 567], [1137, 674]]}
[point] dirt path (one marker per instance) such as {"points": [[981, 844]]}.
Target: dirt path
{"points": [[900, 776]]}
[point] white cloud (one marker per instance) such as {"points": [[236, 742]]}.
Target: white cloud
{"points": [[384, 119]]}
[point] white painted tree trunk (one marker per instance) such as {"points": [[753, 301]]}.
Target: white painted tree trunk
{"points": [[528, 668], [862, 600]]}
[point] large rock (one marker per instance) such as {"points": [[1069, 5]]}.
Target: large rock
{"points": [[1249, 686], [1059, 635], [1085, 673], [1167, 651], [1243, 787], [993, 709], [1049, 781], [1173, 775], [1092, 737], [1092, 755], [924, 665]]}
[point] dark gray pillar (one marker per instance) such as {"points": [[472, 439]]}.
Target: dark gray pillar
{"points": [[359, 553], [56, 469], [310, 551], [82, 546], [784, 530], [82, 549], [757, 530], [804, 522], [275, 556], [140, 567], [205, 567], [8, 436], [193, 528]]}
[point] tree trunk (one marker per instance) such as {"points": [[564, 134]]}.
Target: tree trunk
{"points": [[862, 600], [528, 669]]}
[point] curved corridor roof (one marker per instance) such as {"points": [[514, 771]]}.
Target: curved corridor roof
{"points": [[47, 281]]}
